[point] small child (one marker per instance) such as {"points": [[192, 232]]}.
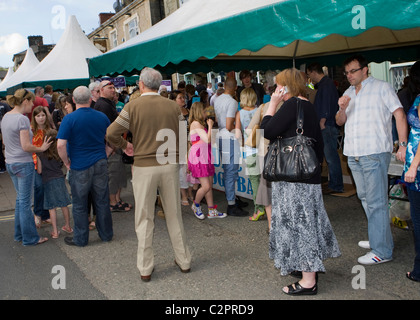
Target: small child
{"points": [[200, 162], [55, 190]]}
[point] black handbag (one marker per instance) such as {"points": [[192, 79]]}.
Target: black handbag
{"points": [[291, 159]]}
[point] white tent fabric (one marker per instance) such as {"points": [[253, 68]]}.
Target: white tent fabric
{"points": [[28, 65], [68, 58], [192, 15], [10, 72]]}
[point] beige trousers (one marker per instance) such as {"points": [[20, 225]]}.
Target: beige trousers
{"points": [[146, 182]]}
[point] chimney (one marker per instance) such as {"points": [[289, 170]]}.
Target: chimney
{"points": [[103, 17], [35, 41]]}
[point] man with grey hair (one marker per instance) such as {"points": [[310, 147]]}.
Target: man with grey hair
{"points": [[154, 122], [82, 149], [95, 92]]}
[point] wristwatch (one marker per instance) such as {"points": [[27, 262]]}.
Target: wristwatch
{"points": [[403, 144]]}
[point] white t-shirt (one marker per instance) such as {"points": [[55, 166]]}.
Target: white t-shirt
{"points": [[225, 107]]}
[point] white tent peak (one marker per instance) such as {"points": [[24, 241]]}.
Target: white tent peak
{"points": [[10, 72], [28, 65], [68, 58]]}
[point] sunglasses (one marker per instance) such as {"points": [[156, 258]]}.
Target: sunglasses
{"points": [[26, 93], [352, 71], [108, 84]]}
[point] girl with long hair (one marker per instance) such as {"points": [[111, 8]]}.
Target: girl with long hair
{"points": [[39, 125], [56, 194], [200, 161]]}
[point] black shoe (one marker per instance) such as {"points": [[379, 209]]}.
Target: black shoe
{"points": [[296, 289], [240, 203], [69, 241], [234, 210]]}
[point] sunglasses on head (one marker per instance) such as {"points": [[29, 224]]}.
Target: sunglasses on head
{"points": [[108, 84]]}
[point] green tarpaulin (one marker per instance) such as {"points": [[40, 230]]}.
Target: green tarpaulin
{"points": [[263, 34]]}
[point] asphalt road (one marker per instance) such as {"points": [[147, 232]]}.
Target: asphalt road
{"points": [[230, 263]]}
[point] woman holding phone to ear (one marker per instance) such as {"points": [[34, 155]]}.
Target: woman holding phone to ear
{"points": [[17, 138], [301, 236]]}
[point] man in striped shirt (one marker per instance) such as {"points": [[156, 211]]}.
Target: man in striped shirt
{"points": [[366, 110]]}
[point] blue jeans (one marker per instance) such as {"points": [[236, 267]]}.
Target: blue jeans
{"points": [[22, 175], [370, 175], [39, 198], [329, 135], [230, 154], [94, 180], [414, 197]]}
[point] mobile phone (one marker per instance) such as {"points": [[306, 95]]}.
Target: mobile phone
{"points": [[284, 90]]}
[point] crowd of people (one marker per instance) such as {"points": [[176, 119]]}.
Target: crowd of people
{"points": [[172, 134]]}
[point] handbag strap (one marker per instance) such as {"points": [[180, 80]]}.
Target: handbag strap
{"points": [[299, 117]]}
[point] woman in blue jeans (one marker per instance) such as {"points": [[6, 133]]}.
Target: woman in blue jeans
{"points": [[17, 138], [411, 175]]}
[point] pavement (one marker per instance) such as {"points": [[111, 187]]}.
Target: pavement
{"points": [[229, 261]]}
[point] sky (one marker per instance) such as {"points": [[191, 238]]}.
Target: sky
{"points": [[48, 18]]}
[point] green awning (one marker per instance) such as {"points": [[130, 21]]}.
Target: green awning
{"points": [[271, 35]]}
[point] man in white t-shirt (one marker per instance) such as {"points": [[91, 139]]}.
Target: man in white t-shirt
{"points": [[366, 110], [225, 108]]}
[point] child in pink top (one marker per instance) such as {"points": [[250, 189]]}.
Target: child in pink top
{"points": [[200, 162]]}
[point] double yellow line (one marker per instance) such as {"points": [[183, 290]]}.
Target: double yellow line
{"points": [[7, 218]]}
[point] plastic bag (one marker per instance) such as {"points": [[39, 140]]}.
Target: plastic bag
{"points": [[399, 210]]}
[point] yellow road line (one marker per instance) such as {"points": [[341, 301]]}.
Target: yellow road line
{"points": [[7, 218]]}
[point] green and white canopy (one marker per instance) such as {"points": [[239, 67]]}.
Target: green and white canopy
{"points": [[268, 34]]}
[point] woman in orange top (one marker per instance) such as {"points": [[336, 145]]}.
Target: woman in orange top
{"points": [[39, 125]]}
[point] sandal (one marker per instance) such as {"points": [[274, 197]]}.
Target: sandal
{"points": [[125, 205], [67, 229], [185, 203], [260, 214], [119, 208], [55, 235], [42, 240], [409, 276], [297, 290]]}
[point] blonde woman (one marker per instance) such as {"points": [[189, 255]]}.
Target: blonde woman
{"points": [[17, 138], [248, 100]]}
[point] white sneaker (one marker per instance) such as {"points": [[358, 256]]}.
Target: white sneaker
{"points": [[364, 244], [197, 211], [370, 258], [214, 213]]}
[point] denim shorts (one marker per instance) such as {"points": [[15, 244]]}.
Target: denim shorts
{"points": [[56, 194]]}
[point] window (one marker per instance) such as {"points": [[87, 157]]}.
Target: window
{"points": [[132, 28], [113, 38]]}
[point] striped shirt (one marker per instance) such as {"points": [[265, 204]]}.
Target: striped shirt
{"points": [[368, 129]]}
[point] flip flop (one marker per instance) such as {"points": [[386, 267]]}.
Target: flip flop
{"points": [[55, 235], [68, 230], [42, 240]]}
